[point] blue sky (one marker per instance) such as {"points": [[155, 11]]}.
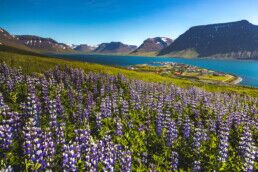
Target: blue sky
{"points": [[128, 21]]}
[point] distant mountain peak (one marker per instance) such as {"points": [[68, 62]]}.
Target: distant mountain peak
{"points": [[244, 21], [83, 48], [153, 44]]}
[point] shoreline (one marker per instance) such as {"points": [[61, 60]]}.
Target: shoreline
{"points": [[237, 81], [164, 56]]}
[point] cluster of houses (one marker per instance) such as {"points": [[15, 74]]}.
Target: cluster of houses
{"points": [[180, 69]]}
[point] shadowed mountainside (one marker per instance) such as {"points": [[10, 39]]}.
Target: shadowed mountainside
{"points": [[230, 40]]}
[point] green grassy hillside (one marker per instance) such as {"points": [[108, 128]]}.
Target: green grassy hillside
{"points": [[149, 54], [33, 63]]}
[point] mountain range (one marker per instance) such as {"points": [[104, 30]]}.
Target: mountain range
{"points": [[224, 40], [32, 43], [114, 47], [47, 45], [44, 44], [7, 39], [84, 48]]}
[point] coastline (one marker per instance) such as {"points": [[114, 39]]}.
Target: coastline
{"points": [[151, 56], [237, 80]]}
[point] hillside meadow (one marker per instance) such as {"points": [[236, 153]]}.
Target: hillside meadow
{"points": [[61, 115], [39, 64]]}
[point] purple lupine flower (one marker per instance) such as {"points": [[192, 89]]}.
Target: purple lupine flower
{"points": [[125, 107], [33, 106], [6, 136], [141, 128], [135, 97], [60, 137], [160, 104], [126, 167], [78, 117], [89, 101], [13, 119], [148, 122], [34, 145], [197, 138], [98, 121], [114, 104], [87, 165], [172, 133], [102, 91], [94, 157], [10, 84], [159, 125], [125, 159], [174, 161], [1, 100], [186, 128], [105, 107], [166, 118], [71, 98], [85, 115], [83, 139], [49, 149], [107, 153], [45, 93], [247, 149], [79, 97], [71, 155], [53, 123], [223, 142], [109, 160], [212, 126], [204, 135], [197, 166], [59, 106], [149, 100], [144, 158], [7, 169], [119, 127], [108, 107]]}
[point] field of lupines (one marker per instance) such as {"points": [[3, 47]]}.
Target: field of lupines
{"points": [[67, 120]]}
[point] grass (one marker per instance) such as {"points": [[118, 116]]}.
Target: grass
{"points": [[32, 63], [5, 48], [188, 53], [209, 77], [149, 54]]}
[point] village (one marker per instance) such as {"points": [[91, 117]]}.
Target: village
{"points": [[179, 70]]}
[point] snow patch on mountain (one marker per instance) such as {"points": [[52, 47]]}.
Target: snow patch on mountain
{"points": [[164, 39]]}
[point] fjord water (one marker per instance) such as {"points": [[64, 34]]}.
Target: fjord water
{"points": [[246, 69]]}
